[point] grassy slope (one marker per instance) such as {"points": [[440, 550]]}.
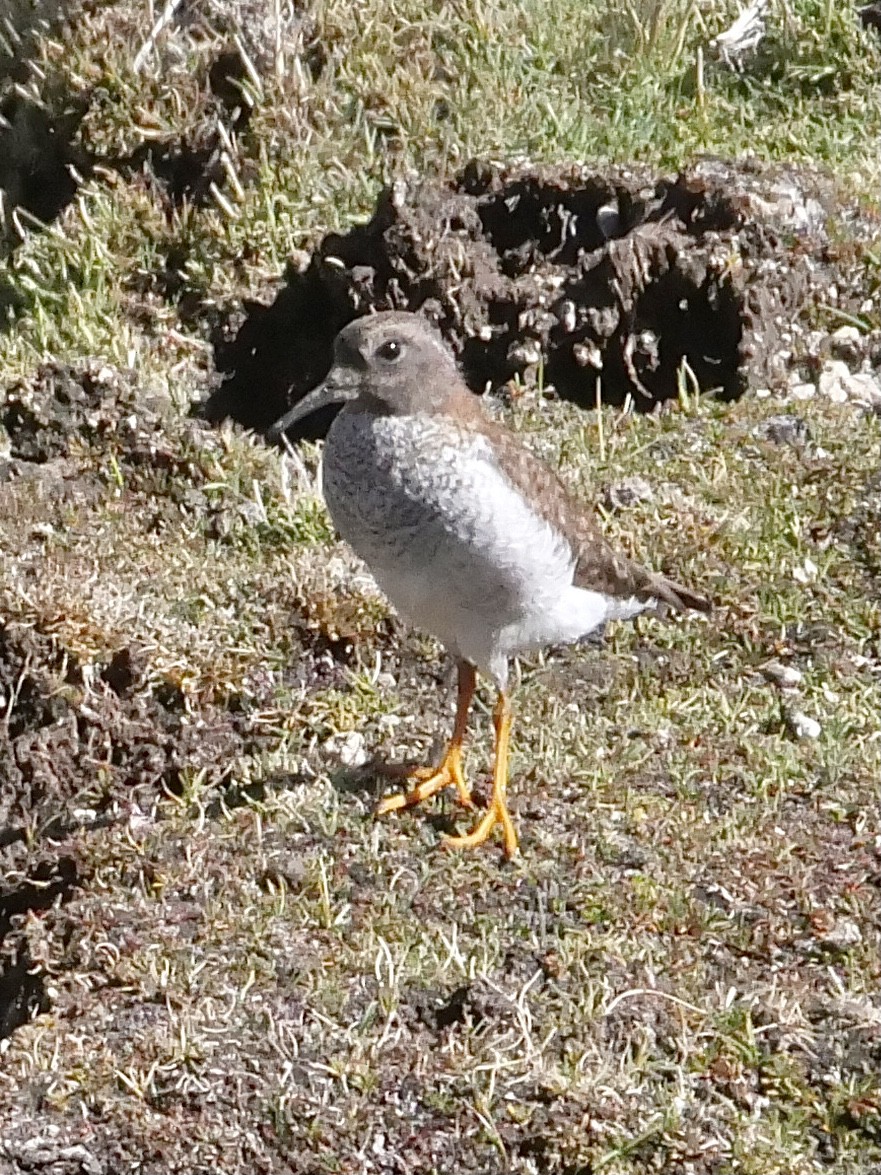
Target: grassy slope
{"points": [[678, 838], [400, 90]]}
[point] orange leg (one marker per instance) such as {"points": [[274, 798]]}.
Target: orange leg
{"points": [[427, 780], [498, 809]]}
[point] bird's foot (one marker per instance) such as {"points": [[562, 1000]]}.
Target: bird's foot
{"points": [[427, 782], [496, 814]]}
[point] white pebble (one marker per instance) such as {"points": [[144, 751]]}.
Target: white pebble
{"points": [[864, 389], [786, 676], [348, 747], [847, 334], [803, 726], [805, 573], [843, 935], [831, 383], [803, 391]]}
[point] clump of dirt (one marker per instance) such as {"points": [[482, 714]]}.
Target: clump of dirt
{"points": [[46, 145], [82, 746], [82, 735], [239, 50], [44, 412], [59, 409], [563, 276], [191, 168]]}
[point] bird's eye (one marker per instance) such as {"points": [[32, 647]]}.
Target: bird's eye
{"points": [[390, 351]]}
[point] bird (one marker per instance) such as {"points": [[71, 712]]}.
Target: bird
{"points": [[470, 535]]}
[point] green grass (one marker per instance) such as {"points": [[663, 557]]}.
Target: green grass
{"points": [[408, 89], [658, 976], [254, 974]]}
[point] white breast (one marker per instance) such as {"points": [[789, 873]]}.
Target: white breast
{"points": [[456, 547]]}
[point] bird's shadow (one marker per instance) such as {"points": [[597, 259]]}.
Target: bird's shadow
{"points": [[360, 781], [378, 774], [374, 778]]}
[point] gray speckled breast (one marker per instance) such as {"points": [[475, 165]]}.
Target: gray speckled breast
{"points": [[385, 486], [456, 548]]}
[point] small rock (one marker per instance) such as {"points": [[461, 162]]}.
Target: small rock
{"points": [[348, 747], [805, 572], [785, 430], [836, 392], [838, 384], [846, 343], [609, 219], [803, 726], [831, 383], [803, 391], [524, 354], [587, 354], [568, 317], [627, 492], [785, 676], [843, 935], [865, 389], [298, 260], [284, 869], [251, 513], [139, 822]]}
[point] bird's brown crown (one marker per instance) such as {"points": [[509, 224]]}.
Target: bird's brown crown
{"points": [[396, 363]]}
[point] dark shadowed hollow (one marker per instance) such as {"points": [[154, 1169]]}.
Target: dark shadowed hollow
{"points": [[614, 285]]}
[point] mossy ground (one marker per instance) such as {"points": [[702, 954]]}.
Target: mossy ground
{"points": [[250, 974]]}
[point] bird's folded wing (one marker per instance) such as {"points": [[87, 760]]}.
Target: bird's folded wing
{"points": [[598, 566]]}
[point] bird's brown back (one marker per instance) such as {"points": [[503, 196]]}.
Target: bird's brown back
{"points": [[599, 567]]}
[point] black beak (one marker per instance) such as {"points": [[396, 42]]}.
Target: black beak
{"points": [[336, 389]]}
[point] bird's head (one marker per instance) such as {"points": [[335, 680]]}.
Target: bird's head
{"points": [[392, 363]]}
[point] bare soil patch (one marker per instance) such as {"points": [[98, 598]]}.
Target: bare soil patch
{"points": [[85, 744], [594, 283], [211, 966]]}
